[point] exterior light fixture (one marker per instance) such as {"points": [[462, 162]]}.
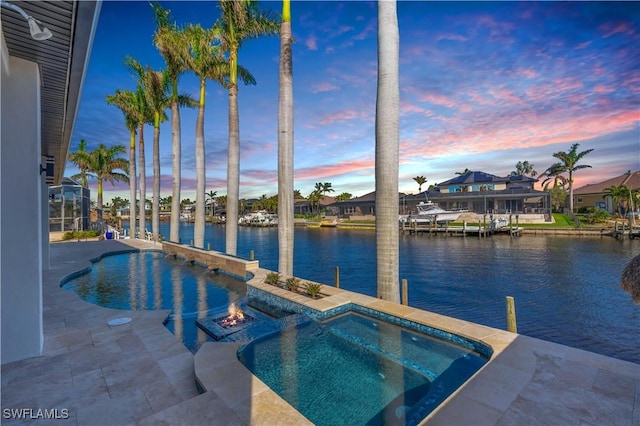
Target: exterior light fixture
{"points": [[38, 31], [48, 168]]}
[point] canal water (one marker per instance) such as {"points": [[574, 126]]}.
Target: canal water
{"points": [[566, 289]]}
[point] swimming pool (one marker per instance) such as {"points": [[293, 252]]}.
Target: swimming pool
{"points": [[354, 369], [151, 280]]}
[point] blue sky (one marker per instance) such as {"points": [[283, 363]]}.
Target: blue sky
{"points": [[483, 85]]}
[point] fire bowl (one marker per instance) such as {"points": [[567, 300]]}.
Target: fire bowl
{"points": [[216, 327]]}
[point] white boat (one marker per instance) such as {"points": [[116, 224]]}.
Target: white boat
{"points": [[428, 211], [259, 218]]}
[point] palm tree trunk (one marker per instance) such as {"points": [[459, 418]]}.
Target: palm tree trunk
{"points": [[132, 184], [387, 147], [285, 148], [155, 209], [99, 205], [198, 230], [233, 173], [174, 234], [570, 191], [143, 184]]}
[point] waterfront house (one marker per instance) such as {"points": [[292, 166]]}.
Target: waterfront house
{"points": [[302, 206], [363, 206], [69, 205], [595, 194], [41, 87], [484, 193], [475, 191]]}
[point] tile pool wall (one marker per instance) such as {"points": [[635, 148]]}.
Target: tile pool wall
{"points": [[83, 271], [263, 296]]}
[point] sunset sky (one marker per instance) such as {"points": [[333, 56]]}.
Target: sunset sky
{"points": [[483, 85]]}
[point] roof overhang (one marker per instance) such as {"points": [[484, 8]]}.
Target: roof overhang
{"points": [[63, 60]]}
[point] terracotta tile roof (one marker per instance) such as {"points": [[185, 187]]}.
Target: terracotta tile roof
{"points": [[631, 180]]}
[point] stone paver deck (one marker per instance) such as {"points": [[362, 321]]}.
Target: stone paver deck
{"points": [[139, 373]]}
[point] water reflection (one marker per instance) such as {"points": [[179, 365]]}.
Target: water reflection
{"points": [[566, 289], [148, 280], [176, 280]]}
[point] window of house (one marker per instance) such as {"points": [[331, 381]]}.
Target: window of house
{"points": [[579, 200], [350, 210]]}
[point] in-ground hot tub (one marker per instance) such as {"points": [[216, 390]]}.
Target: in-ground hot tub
{"points": [[357, 369]]}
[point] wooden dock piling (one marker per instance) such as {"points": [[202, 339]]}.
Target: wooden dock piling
{"points": [[405, 292], [511, 315]]}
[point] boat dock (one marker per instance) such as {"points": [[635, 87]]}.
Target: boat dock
{"points": [[462, 231]]}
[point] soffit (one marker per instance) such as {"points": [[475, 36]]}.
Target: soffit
{"points": [[63, 60]]}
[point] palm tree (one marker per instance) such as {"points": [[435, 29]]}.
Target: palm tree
{"points": [[464, 172], [345, 196], [569, 161], [420, 180], [205, 60], [81, 159], [104, 163], [387, 153], [169, 40], [239, 21], [222, 201], [554, 173], [271, 204], [324, 187], [314, 199], [285, 147], [157, 89], [320, 190], [165, 203], [126, 101], [523, 168], [211, 195], [143, 115], [116, 204], [620, 195]]}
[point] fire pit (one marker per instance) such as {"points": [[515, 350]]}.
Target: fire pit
{"points": [[221, 325]]}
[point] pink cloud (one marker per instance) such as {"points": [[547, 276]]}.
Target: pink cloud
{"points": [[506, 95], [451, 36], [619, 28], [370, 28], [603, 89], [523, 130], [324, 87], [311, 43], [438, 100], [567, 84], [331, 170], [345, 115], [407, 108], [528, 73], [342, 29], [584, 45]]}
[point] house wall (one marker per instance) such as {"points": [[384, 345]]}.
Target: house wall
{"points": [[592, 200], [21, 223], [474, 187]]}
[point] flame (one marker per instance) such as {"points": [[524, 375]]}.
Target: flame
{"points": [[236, 316]]}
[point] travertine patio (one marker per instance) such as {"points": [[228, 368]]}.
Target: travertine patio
{"points": [[139, 373]]}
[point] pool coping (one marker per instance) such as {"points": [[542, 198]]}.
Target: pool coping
{"points": [[87, 367], [516, 370], [333, 299]]}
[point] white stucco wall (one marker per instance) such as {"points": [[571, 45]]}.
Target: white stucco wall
{"points": [[21, 221]]}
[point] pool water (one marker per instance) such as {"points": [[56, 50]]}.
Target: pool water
{"points": [[356, 370], [151, 280]]}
